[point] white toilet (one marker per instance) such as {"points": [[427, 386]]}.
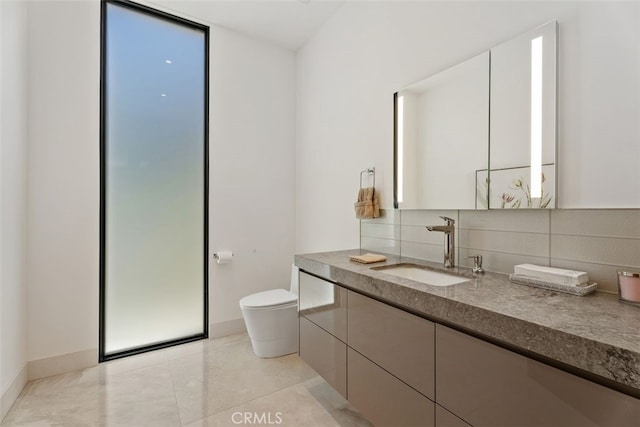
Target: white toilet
{"points": [[272, 319]]}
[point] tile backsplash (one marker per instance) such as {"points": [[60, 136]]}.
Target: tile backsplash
{"points": [[598, 241]]}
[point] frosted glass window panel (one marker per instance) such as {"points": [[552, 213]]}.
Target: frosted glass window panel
{"points": [[154, 248]]}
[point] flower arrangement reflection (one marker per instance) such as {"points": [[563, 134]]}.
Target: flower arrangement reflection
{"points": [[523, 194], [509, 188]]}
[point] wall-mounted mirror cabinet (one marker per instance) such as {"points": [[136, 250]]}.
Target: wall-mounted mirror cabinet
{"points": [[481, 134]]}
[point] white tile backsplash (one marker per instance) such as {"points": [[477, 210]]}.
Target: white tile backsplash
{"points": [[522, 220], [599, 250], [598, 241], [424, 251], [374, 244], [383, 231], [601, 222], [534, 244], [420, 234]]}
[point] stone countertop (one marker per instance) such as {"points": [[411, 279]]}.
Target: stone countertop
{"points": [[595, 333]]}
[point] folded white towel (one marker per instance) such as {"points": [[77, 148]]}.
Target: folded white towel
{"points": [[559, 276]]}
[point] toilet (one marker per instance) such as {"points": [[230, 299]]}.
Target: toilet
{"points": [[271, 318]]}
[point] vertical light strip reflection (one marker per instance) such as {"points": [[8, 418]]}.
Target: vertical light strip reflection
{"points": [[400, 136], [536, 117]]}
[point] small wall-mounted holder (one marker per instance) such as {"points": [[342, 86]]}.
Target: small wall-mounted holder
{"points": [[223, 257], [629, 287], [371, 174]]}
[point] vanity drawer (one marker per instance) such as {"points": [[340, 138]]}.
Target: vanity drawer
{"points": [[487, 385], [325, 304], [445, 418], [383, 398], [400, 342], [325, 354]]}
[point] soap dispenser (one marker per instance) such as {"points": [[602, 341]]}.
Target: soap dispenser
{"points": [[477, 264]]}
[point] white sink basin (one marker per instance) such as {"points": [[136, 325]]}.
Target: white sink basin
{"points": [[422, 274]]}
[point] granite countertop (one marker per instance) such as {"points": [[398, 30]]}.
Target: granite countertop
{"points": [[595, 333]]}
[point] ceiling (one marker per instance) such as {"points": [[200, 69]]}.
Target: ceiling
{"points": [[286, 23]]}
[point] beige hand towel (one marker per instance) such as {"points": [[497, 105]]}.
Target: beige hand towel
{"points": [[368, 258], [367, 205]]}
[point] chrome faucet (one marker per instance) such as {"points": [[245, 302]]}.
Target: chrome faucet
{"points": [[449, 231]]}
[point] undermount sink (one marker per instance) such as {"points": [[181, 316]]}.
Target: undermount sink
{"points": [[421, 274]]}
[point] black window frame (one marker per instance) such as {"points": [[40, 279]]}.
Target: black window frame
{"points": [[102, 357]]}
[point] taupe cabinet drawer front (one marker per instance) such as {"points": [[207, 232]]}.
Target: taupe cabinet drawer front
{"points": [[325, 354], [325, 304], [384, 399], [400, 342], [487, 385], [445, 418]]}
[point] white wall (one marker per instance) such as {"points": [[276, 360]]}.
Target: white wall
{"points": [[251, 170], [63, 177], [13, 140], [368, 50]]}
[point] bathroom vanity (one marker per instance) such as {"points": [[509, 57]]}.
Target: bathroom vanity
{"points": [[483, 352]]}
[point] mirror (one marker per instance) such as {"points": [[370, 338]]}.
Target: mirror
{"points": [[474, 135], [523, 121], [442, 131]]}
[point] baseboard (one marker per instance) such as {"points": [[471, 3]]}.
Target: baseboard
{"points": [[64, 363], [230, 327], [12, 392]]}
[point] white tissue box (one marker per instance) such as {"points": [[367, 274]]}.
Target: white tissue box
{"points": [[558, 276]]}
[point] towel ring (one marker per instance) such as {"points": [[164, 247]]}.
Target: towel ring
{"points": [[372, 172]]}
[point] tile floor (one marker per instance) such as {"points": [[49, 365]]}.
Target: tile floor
{"points": [[216, 382]]}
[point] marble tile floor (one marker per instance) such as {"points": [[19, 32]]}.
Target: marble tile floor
{"points": [[217, 382]]}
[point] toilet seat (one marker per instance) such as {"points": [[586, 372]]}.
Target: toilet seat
{"points": [[269, 299]]}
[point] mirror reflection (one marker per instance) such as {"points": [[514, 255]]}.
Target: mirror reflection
{"points": [[523, 121], [442, 129]]}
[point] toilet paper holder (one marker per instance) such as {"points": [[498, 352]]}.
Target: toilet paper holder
{"points": [[223, 256]]}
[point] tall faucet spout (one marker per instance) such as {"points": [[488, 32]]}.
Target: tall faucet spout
{"points": [[449, 240]]}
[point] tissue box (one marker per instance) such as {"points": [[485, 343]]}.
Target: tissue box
{"points": [[554, 275]]}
